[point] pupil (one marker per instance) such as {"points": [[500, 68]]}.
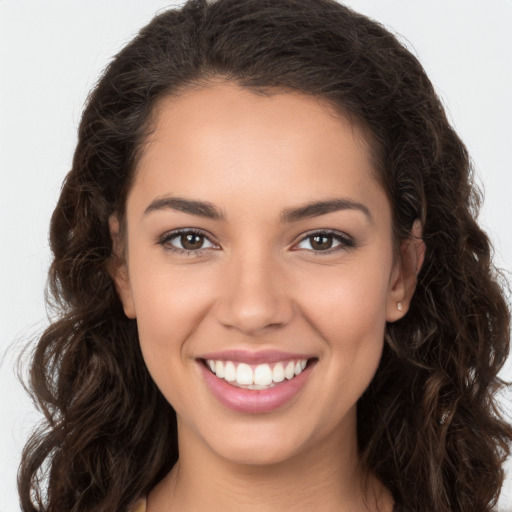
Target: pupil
{"points": [[322, 242], [191, 241]]}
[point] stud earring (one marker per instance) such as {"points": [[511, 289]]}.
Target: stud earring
{"points": [[399, 306]]}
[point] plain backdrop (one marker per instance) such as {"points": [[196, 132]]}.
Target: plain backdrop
{"points": [[51, 54]]}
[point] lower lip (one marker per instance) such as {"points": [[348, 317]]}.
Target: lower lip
{"points": [[255, 401]]}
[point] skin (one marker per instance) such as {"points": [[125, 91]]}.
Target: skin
{"points": [[258, 283]]}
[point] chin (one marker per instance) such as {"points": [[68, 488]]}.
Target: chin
{"points": [[259, 447], [257, 456]]}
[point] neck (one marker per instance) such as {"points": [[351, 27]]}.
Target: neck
{"points": [[322, 478]]}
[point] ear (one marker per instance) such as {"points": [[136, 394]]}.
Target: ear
{"points": [[118, 269], [405, 273]]}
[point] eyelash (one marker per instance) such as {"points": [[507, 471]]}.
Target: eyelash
{"points": [[345, 241], [165, 242]]}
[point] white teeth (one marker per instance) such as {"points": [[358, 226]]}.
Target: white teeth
{"points": [[289, 371], [219, 369], [261, 376], [256, 386], [230, 371], [244, 374], [278, 373]]}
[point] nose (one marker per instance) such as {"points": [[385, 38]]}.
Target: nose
{"points": [[255, 298]]}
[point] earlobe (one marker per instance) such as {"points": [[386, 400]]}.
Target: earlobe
{"points": [[405, 276], [118, 269]]}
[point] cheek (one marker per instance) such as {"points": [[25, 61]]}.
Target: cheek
{"points": [[349, 314], [344, 308], [349, 304], [169, 309], [170, 304]]}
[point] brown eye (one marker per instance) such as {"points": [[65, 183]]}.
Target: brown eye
{"points": [[191, 241], [321, 242], [186, 241], [325, 242]]}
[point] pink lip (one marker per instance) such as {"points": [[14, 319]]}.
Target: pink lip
{"points": [[255, 401], [251, 357]]}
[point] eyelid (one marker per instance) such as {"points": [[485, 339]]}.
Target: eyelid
{"points": [[164, 241], [346, 242]]}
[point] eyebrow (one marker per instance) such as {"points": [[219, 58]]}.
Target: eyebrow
{"points": [[210, 211], [318, 208], [199, 208]]}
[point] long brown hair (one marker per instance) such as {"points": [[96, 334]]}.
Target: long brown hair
{"points": [[428, 425]]}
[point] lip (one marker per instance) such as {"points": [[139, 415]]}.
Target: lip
{"points": [[255, 401], [251, 357]]}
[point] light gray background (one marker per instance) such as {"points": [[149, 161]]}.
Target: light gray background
{"points": [[51, 54]]}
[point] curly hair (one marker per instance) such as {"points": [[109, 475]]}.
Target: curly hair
{"points": [[428, 425]]}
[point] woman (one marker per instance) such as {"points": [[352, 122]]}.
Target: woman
{"points": [[274, 291]]}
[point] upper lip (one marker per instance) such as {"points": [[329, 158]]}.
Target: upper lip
{"points": [[254, 357]]}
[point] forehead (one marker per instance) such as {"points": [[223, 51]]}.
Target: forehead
{"points": [[227, 105], [222, 139]]}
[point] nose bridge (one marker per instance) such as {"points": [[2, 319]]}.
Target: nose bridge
{"points": [[254, 298]]}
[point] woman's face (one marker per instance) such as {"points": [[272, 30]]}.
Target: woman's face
{"points": [[258, 242]]}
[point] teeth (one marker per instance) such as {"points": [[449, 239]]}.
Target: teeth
{"points": [[256, 386], [261, 376], [244, 374], [289, 371], [278, 373], [219, 369], [229, 371]]}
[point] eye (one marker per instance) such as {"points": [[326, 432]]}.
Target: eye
{"points": [[186, 241], [325, 241]]}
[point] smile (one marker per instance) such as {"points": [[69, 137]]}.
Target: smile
{"points": [[256, 377], [255, 383]]}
